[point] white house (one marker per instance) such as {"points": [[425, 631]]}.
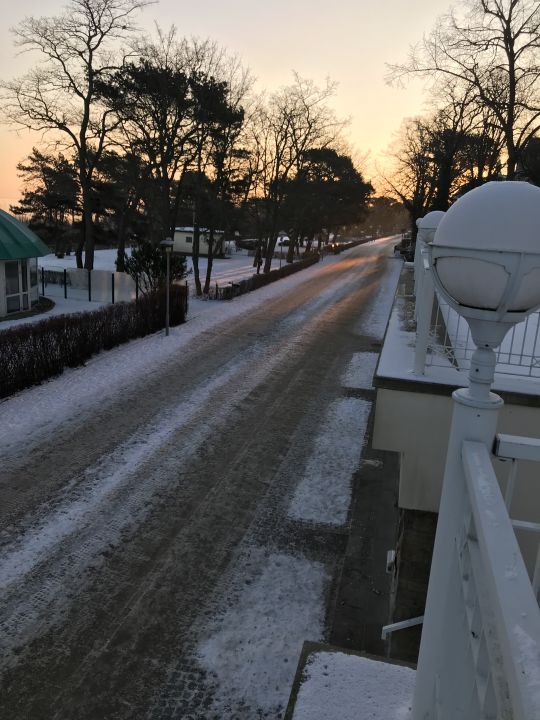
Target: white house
{"points": [[183, 241], [19, 251]]}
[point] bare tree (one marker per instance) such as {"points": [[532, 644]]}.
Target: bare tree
{"points": [[58, 95], [290, 122], [492, 47], [412, 178], [438, 156]]}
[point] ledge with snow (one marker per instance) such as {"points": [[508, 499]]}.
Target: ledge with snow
{"points": [[337, 684]]}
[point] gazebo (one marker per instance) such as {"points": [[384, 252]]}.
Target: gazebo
{"points": [[19, 251]]}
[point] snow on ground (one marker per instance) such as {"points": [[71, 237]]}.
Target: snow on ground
{"points": [[324, 492], [374, 321], [61, 307], [231, 269], [103, 479], [252, 646], [108, 483], [80, 390], [359, 374], [339, 686], [105, 260]]}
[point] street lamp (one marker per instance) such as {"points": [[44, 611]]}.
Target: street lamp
{"points": [[485, 259], [281, 235], [167, 245]]}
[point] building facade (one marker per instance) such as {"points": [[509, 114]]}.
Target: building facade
{"points": [[183, 241], [19, 250]]}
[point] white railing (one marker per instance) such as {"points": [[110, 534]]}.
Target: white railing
{"points": [[488, 664], [443, 337]]}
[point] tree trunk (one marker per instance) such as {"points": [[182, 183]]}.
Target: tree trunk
{"points": [[80, 248], [88, 241], [121, 227], [210, 262], [270, 247], [511, 163], [195, 260]]}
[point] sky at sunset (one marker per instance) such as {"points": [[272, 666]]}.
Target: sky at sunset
{"points": [[347, 40]]}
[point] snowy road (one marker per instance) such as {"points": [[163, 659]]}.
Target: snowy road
{"points": [[173, 515]]}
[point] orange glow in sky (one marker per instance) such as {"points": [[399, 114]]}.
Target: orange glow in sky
{"points": [[347, 40]]}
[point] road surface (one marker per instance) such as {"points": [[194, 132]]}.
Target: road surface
{"points": [[164, 554]]}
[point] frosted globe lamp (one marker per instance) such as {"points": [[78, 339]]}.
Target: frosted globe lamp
{"points": [[426, 232], [428, 225], [485, 258]]}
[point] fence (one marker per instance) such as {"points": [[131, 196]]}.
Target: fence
{"points": [[92, 285], [488, 658], [443, 337]]}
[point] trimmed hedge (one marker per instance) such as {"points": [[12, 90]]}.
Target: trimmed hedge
{"points": [[257, 281], [30, 354]]}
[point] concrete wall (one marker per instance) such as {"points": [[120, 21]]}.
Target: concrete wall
{"points": [[417, 424]]}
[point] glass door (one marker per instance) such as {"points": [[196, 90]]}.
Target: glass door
{"points": [[16, 285]]}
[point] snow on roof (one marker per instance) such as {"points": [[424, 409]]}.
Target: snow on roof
{"points": [[201, 229]]}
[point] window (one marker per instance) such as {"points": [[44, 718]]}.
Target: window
{"points": [[189, 238], [12, 278]]}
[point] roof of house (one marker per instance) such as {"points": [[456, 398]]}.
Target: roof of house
{"points": [[17, 241], [201, 230]]}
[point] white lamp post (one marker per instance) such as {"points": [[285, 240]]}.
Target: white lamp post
{"points": [[167, 245], [485, 259], [281, 234]]}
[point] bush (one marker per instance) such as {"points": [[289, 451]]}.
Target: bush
{"points": [[30, 354], [148, 265]]}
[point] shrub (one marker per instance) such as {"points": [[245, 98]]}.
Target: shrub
{"points": [[30, 354], [147, 266]]}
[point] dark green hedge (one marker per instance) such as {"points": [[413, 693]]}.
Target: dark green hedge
{"points": [[30, 354], [257, 281]]}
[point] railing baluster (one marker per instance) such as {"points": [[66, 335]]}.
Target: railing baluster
{"points": [[536, 574], [449, 339], [535, 350], [507, 585], [510, 484]]}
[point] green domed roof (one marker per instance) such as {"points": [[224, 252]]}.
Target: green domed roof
{"points": [[17, 241]]}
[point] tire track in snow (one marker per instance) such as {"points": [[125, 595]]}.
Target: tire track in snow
{"points": [[66, 544]]}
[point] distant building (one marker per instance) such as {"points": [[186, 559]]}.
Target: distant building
{"points": [[19, 251], [183, 241]]}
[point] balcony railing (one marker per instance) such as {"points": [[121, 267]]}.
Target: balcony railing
{"points": [[444, 339], [488, 660], [480, 653]]}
